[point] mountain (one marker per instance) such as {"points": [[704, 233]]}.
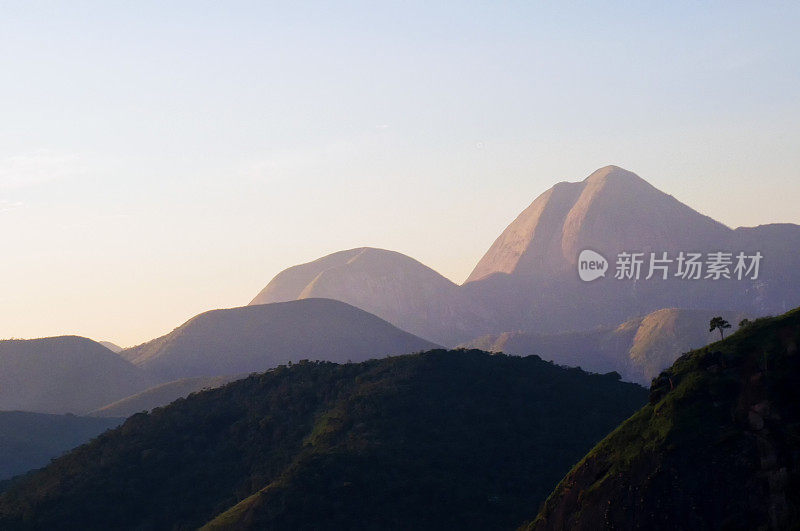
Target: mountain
{"points": [[439, 440], [716, 447], [31, 440], [160, 395], [66, 374], [638, 349], [609, 211], [529, 279], [111, 346], [390, 285], [256, 338]]}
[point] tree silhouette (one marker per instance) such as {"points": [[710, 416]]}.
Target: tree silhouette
{"points": [[718, 323], [745, 323]]}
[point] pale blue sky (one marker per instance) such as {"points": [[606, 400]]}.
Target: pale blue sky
{"points": [[158, 159]]}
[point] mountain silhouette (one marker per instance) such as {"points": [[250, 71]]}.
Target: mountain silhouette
{"points": [[528, 278], [256, 338], [388, 284], [612, 210], [67, 374], [111, 346]]}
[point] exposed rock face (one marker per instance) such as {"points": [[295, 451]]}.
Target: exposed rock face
{"points": [[609, 211], [260, 337], [390, 285], [529, 280]]}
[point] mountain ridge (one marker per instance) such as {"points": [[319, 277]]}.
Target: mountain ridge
{"points": [[638, 349], [391, 285], [64, 374], [716, 447], [258, 337], [358, 445], [527, 280]]}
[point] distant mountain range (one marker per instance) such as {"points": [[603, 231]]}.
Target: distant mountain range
{"points": [[77, 375], [390, 285], [66, 374], [528, 281], [716, 447], [639, 349], [260, 337], [443, 439], [446, 440], [529, 275], [456, 440]]}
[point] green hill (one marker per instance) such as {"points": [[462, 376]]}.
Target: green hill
{"points": [[716, 447], [443, 439], [31, 440]]}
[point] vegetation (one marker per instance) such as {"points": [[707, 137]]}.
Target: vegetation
{"points": [[716, 447], [718, 323], [160, 395], [443, 439]]}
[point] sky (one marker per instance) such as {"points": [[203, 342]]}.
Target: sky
{"points": [[160, 159]]}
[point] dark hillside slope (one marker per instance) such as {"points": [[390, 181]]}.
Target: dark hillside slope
{"points": [[718, 447], [31, 440], [257, 338], [443, 439], [161, 395]]}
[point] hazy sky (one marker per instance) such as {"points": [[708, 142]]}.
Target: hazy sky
{"points": [[158, 159]]}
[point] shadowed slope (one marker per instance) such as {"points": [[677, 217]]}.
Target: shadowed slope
{"points": [[31, 440], [160, 395], [439, 440], [716, 448], [66, 374], [256, 338], [639, 349]]}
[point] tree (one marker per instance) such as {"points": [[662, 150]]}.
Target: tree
{"points": [[745, 323], [718, 323]]}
